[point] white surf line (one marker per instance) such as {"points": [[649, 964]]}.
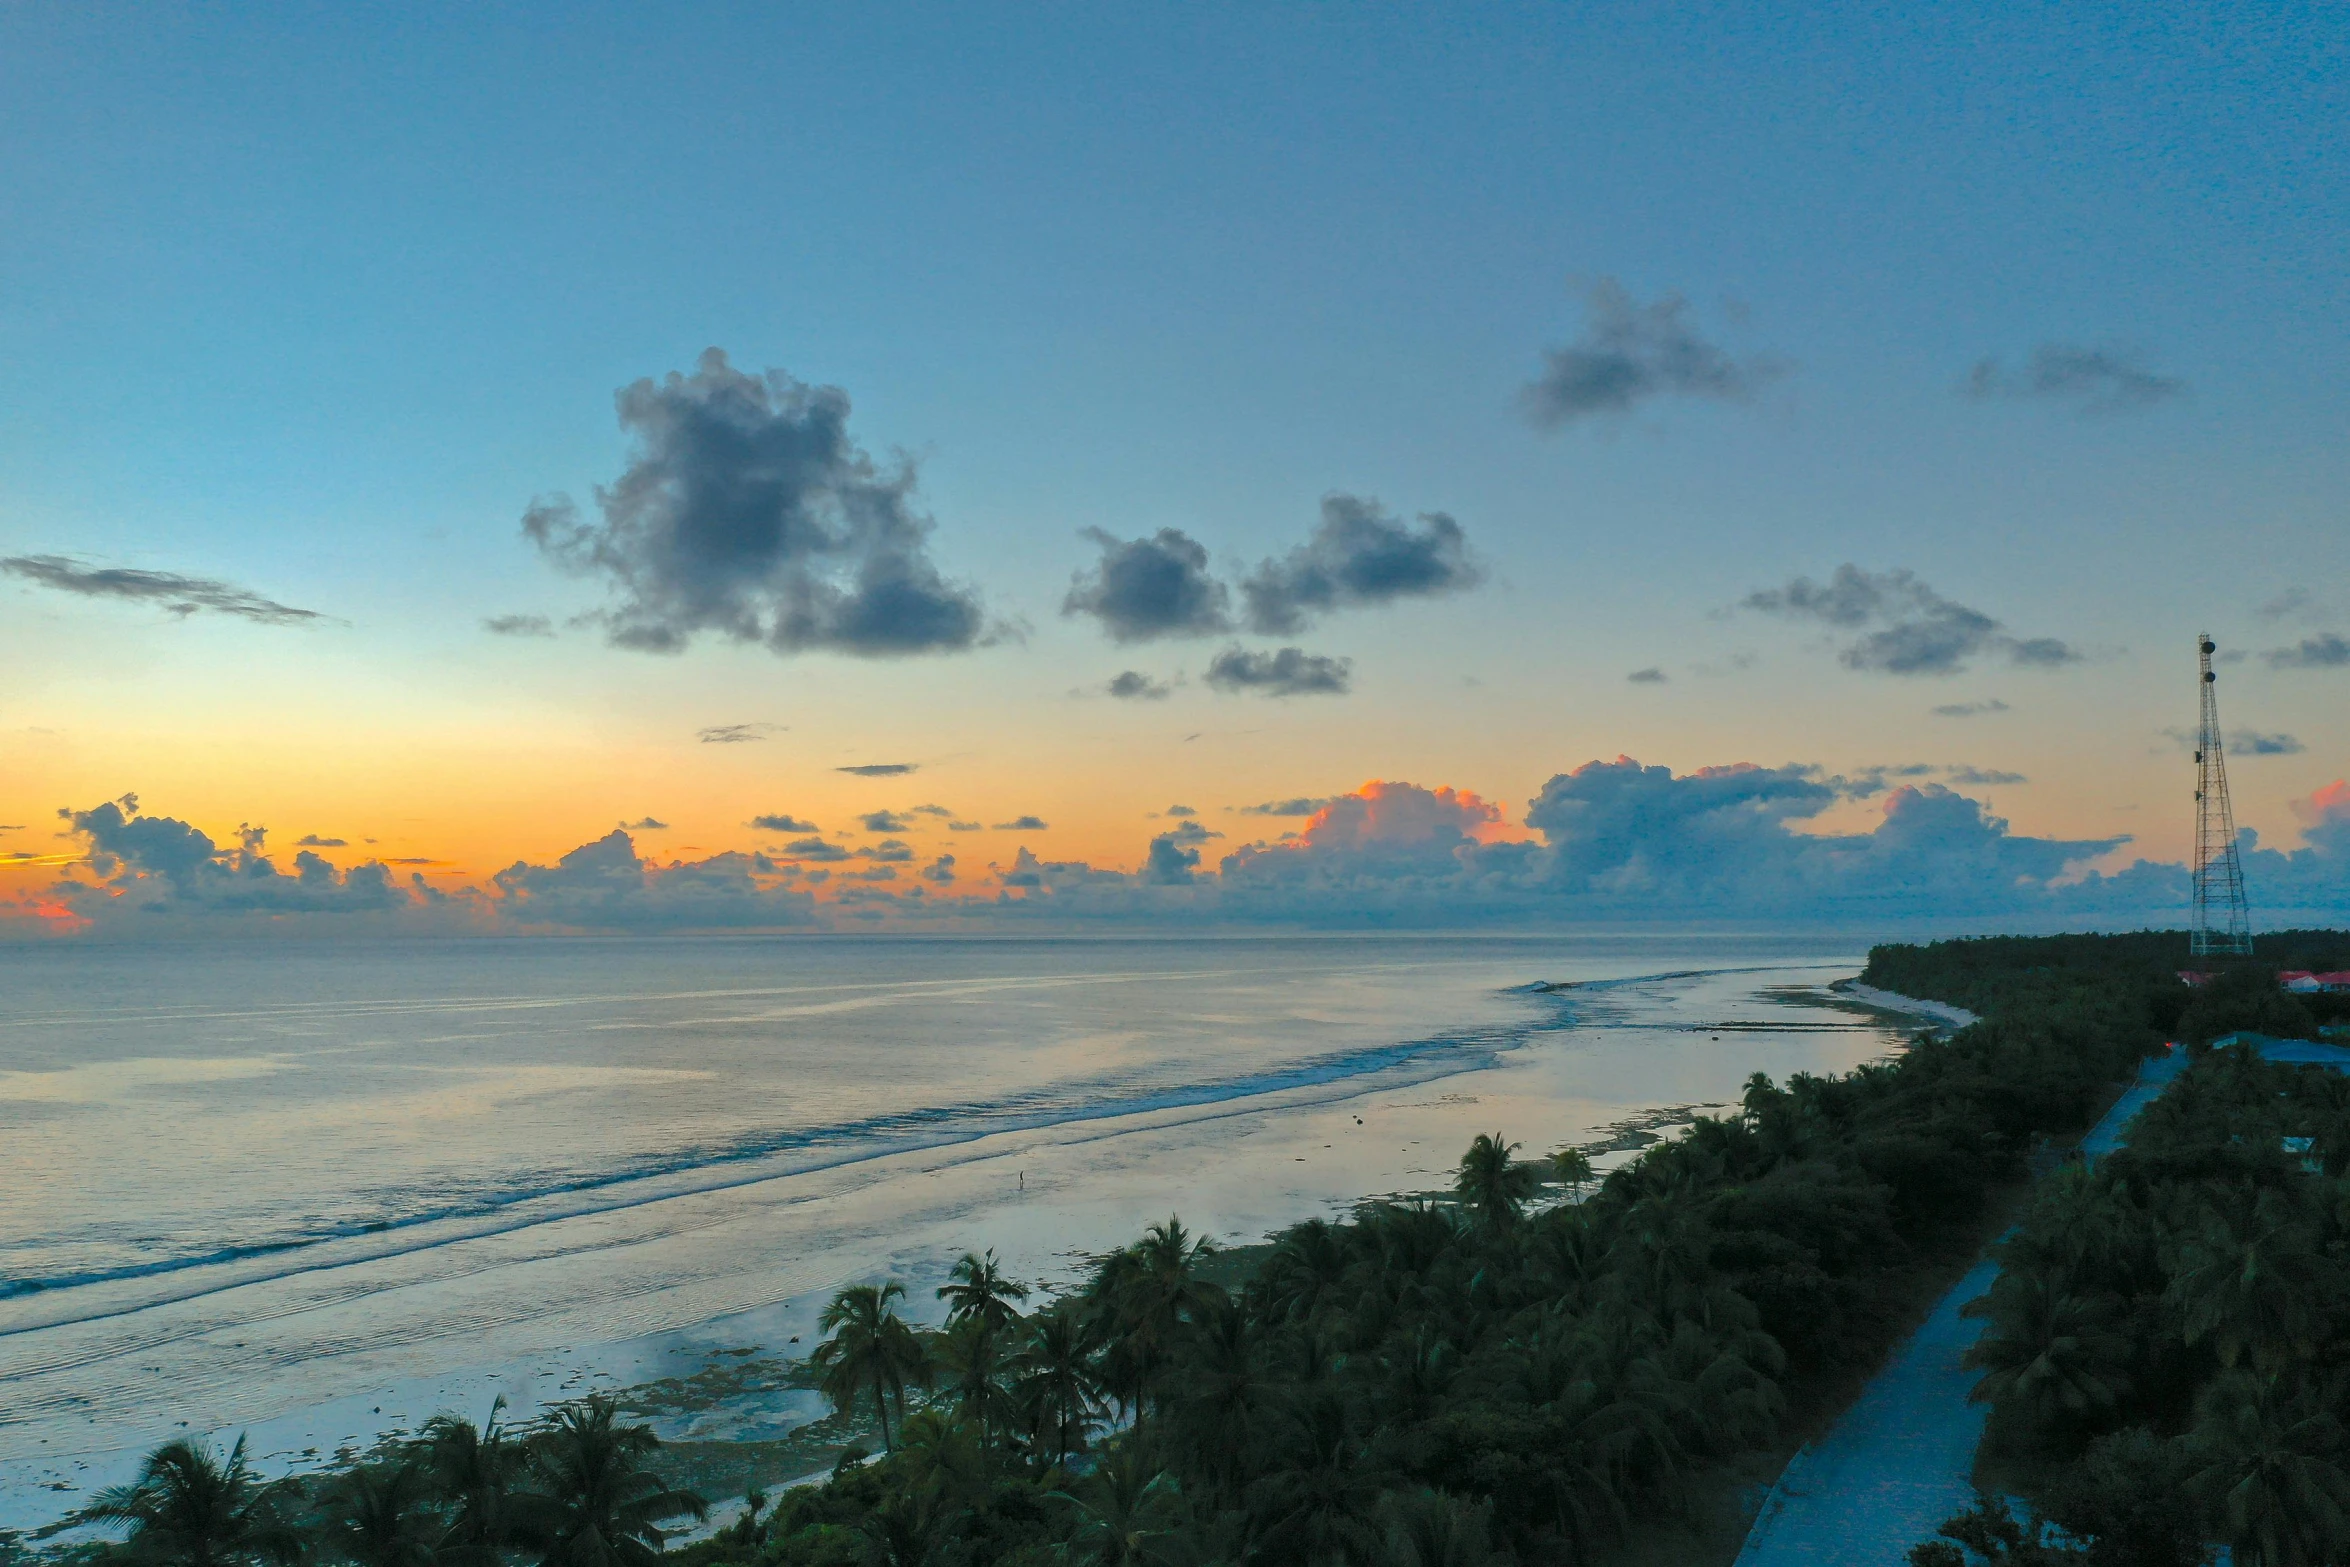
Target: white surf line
{"points": [[1893, 1001]]}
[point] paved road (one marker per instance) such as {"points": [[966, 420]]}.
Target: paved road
{"points": [[1897, 1463]]}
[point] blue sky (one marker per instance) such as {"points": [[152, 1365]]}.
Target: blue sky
{"points": [[315, 301]]}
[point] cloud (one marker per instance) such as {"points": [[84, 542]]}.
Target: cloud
{"points": [[749, 512], [965, 827], [783, 822], [931, 810], [1651, 676], [605, 886], [178, 595], [1969, 709], [519, 626], [1180, 810], [644, 824], [1906, 628], [2098, 380], [313, 841], [1022, 824], [2324, 651], [940, 870], [1132, 685], [885, 821], [815, 849], [1168, 862], [880, 769], [1142, 589], [1867, 783], [161, 865], [2251, 742], [890, 849], [1191, 832], [1289, 672], [1300, 806], [736, 734], [1983, 777], [1358, 555], [1630, 353]]}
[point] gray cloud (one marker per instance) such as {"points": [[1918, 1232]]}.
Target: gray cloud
{"points": [[1358, 555], [1904, 626], [178, 595], [1181, 810], [780, 822], [965, 827], [880, 769], [1289, 672], [313, 841], [1651, 676], [885, 821], [519, 626], [1169, 862], [644, 824], [736, 734], [2097, 380], [749, 512], [931, 810], [2324, 651], [941, 869], [1969, 709], [1630, 353], [814, 849], [1153, 587], [890, 849], [605, 886], [2251, 742], [1132, 685], [1981, 777], [1023, 824], [161, 864], [1301, 806]]}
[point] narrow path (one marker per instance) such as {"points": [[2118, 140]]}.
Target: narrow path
{"points": [[1898, 1463]]}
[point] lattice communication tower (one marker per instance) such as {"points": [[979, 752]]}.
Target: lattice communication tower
{"points": [[2222, 923]]}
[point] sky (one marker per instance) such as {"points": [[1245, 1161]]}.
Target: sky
{"points": [[456, 435]]}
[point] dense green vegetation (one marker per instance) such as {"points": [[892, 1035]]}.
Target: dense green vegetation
{"points": [[1530, 1369]]}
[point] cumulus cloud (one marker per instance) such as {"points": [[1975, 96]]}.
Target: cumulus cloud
{"points": [[2252, 742], [313, 841], [2324, 651], [886, 821], [1902, 626], [1142, 589], [1983, 777], [749, 512], [880, 769], [813, 849], [605, 886], [1288, 672], [940, 870], [931, 810], [965, 827], [892, 850], [1969, 709], [644, 824], [1301, 805], [1180, 810], [736, 734], [1358, 555], [1132, 685], [782, 821], [1022, 824], [161, 865], [519, 626], [1651, 676], [175, 594], [1630, 353], [2096, 380], [1169, 862]]}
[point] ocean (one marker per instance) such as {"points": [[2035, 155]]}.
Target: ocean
{"points": [[319, 1190]]}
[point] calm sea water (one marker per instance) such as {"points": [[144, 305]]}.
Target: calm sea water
{"points": [[239, 1182]]}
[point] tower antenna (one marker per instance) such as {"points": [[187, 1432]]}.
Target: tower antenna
{"points": [[2222, 923]]}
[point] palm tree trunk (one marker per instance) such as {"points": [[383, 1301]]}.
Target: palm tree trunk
{"points": [[881, 1403]]}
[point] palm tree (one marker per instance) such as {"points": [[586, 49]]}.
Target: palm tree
{"points": [[974, 1357], [1054, 1385], [603, 1506], [474, 1469], [870, 1347], [1140, 1302], [2271, 1474], [1431, 1529], [1572, 1166], [977, 1289], [2049, 1354], [381, 1515], [1491, 1184], [192, 1508], [1127, 1511]]}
